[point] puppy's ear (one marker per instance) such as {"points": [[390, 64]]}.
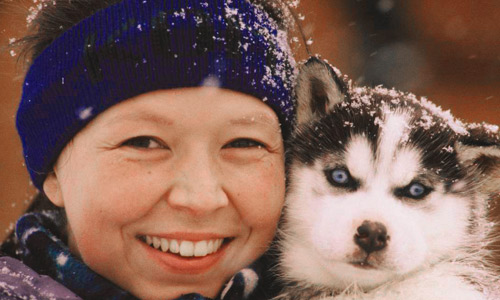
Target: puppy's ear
{"points": [[317, 90], [479, 152]]}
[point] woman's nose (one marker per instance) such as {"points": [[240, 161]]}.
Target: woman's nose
{"points": [[197, 187]]}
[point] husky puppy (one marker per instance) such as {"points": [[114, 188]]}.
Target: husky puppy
{"points": [[387, 196]]}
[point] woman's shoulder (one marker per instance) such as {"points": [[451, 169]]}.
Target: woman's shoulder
{"points": [[18, 281]]}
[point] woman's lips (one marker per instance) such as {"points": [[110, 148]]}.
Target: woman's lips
{"points": [[183, 255]]}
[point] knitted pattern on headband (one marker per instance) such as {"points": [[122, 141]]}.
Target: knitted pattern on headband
{"points": [[138, 46]]}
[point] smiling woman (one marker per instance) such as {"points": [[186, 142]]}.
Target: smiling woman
{"points": [[189, 180], [154, 132]]}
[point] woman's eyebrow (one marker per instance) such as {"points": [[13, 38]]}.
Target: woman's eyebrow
{"points": [[254, 119], [141, 117]]}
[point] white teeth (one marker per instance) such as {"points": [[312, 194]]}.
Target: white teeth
{"points": [[174, 246], [210, 246], [156, 242], [185, 248], [200, 248], [164, 245]]}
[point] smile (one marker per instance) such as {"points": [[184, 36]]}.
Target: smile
{"points": [[184, 248]]}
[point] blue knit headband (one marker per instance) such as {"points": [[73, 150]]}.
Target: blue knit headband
{"points": [[138, 46]]}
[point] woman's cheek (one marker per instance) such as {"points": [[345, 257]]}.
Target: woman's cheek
{"points": [[131, 190], [261, 192]]}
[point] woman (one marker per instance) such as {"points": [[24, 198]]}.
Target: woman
{"points": [[156, 127]]}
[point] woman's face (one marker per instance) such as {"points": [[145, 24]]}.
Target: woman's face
{"points": [[185, 169]]}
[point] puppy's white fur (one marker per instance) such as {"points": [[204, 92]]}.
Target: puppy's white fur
{"points": [[435, 248]]}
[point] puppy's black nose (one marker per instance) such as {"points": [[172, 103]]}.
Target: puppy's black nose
{"points": [[371, 236]]}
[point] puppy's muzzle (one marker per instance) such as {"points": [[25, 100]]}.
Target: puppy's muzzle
{"points": [[371, 236]]}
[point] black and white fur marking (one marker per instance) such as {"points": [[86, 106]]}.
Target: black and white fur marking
{"points": [[387, 196]]}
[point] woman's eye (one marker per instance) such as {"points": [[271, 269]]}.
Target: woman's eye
{"points": [[340, 177], [244, 143], [414, 190], [143, 142]]}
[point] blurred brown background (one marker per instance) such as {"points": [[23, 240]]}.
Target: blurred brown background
{"points": [[447, 50]]}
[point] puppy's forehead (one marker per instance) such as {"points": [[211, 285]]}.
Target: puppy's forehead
{"points": [[392, 160], [359, 157], [394, 127], [405, 167], [394, 130]]}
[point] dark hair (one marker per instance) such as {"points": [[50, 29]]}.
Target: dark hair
{"points": [[54, 19]]}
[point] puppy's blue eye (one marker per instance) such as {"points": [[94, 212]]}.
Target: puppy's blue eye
{"points": [[414, 190], [340, 177]]}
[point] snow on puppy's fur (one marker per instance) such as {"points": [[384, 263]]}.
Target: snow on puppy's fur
{"points": [[387, 196]]}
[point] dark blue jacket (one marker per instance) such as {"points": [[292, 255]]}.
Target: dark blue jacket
{"points": [[18, 281]]}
